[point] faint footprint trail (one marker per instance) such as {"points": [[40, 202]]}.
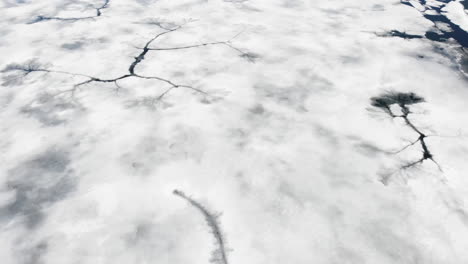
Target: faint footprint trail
{"points": [[219, 255], [72, 19]]}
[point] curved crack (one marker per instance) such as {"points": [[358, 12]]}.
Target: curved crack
{"points": [[219, 255]]}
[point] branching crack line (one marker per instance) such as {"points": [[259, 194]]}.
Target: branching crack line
{"points": [[404, 100], [97, 9], [399, 34], [33, 66], [219, 255]]}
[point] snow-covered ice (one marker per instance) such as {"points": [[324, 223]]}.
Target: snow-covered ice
{"points": [[241, 131]]}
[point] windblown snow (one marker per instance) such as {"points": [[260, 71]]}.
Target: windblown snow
{"points": [[247, 131]]}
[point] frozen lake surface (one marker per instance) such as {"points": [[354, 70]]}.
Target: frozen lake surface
{"points": [[241, 131]]}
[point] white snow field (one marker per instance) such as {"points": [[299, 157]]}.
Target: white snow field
{"points": [[240, 132]]}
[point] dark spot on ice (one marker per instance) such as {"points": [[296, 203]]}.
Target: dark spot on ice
{"points": [[464, 62], [251, 57], [387, 99], [34, 254], [38, 183], [378, 7], [49, 110], [73, 45], [257, 110]]}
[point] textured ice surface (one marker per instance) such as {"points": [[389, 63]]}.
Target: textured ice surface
{"points": [[293, 131]]}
